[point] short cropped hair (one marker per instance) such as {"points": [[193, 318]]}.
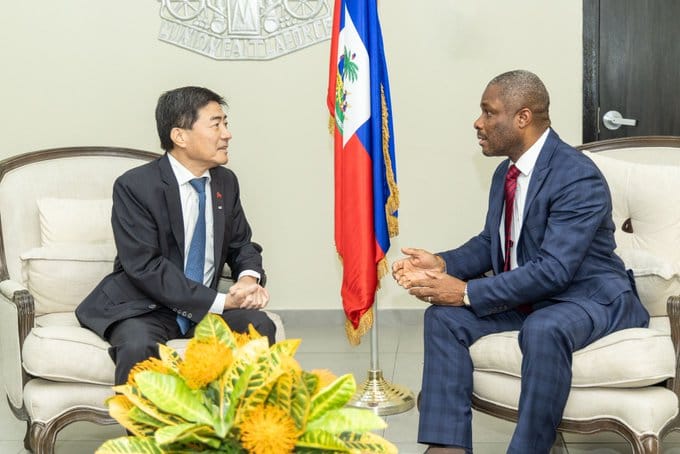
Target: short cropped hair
{"points": [[520, 88], [179, 108]]}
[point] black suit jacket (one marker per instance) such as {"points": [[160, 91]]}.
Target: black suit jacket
{"points": [[148, 229]]}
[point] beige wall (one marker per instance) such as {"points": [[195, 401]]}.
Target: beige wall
{"points": [[79, 72]]}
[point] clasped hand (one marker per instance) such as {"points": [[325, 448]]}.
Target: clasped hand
{"points": [[247, 294], [423, 275]]}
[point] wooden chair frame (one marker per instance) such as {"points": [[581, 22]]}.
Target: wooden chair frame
{"points": [[40, 437]]}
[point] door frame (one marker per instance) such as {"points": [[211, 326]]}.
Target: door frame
{"points": [[591, 71]]}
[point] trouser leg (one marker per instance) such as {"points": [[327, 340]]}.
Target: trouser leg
{"points": [[547, 339], [136, 339], [445, 412]]}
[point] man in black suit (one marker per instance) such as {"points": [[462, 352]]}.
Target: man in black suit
{"points": [[148, 298]]}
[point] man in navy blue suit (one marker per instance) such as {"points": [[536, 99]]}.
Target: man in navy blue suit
{"points": [[551, 273]]}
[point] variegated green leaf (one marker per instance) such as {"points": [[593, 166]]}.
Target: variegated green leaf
{"points": [[286, 347], [221, 388], [257, 380], [172, 395], [252, 351], [311, 381], [333, 396], [122, 410], [280, 395], [237, 393], [268, 370], [170, 358], [214, 326], [258, 395], [245, 358], [129, 445], [135, 396], [173, 434], [300, 400], [324, 441], [145, 425], [367, 442], [347, 420], [187, 433]]}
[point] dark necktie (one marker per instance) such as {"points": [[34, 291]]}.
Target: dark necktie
{"points": [[510, 188], [196, 255]]}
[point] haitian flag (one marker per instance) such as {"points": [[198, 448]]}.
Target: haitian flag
{"points": [[366, 194]]}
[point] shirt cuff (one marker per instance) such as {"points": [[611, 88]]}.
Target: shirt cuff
{"points": [[252, 273], [218, 305]]}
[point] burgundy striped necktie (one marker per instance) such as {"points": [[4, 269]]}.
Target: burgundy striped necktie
{"points": [[510, 188]]}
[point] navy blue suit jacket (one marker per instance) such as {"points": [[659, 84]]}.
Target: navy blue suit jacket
{"points": [[565, 251], [148, 230]]}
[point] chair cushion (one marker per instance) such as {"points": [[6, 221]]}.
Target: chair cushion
{"points": [[644, 410], [645, 198], [74, 220], [629, 358], [46, 400], [57, 352], [61, 275], [54, 350]]}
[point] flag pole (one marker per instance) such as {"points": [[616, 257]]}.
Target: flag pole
{"points": [[376, 393]]}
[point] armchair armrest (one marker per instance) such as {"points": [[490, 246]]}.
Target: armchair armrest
{"points": [[17, 295], [673, 307], [16, 321]]}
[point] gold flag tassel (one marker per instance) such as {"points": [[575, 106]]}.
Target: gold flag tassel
{"points": [[365, 325], [392, 204]]}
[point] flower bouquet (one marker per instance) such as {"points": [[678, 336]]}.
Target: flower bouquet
{"points": [[233, 393]]}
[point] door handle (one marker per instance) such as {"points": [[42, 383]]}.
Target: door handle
{"points": [[614, 120]]}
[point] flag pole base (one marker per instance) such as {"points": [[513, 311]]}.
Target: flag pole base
{"points": [[381, 396]]}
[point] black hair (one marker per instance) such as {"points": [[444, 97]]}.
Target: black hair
{"points": [[179, 108], [521, 88]]}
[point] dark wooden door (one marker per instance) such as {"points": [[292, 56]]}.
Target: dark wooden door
{"points": [[631, 61]]}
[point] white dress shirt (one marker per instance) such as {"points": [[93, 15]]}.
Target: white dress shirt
{"points": [[525, 164], [189, 200]]}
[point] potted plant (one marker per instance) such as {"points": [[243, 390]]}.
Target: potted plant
{"points": [[233, 393]]}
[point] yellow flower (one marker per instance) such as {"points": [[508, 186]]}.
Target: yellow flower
{"points": [[153, 364], [325, 376], [268, 430], [204, 361], [243, 338]]}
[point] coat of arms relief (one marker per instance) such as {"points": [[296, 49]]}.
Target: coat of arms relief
{"points": [[245, 29]]}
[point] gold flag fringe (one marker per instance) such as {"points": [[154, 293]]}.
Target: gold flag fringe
{"points": [[366, 320], [392, 204], [365, 325], [331, 125]]}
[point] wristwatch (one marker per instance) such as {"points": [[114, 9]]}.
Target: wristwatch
{"points": [[466, 300]]}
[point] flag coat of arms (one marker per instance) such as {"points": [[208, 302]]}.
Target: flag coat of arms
{"points": [[366, 194]]}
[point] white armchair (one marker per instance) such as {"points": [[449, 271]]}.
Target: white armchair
{"points": [[56, 244], [625, 382]]}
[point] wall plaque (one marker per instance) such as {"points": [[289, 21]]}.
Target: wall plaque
{"points": [[245, 29]]}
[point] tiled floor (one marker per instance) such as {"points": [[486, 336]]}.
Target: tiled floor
{"points": [[324, 346]]}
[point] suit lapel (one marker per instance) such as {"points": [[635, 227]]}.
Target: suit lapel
{"points": [[538, 178], [495, 211], [217, 190], [541, 169], [173, 202]]}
